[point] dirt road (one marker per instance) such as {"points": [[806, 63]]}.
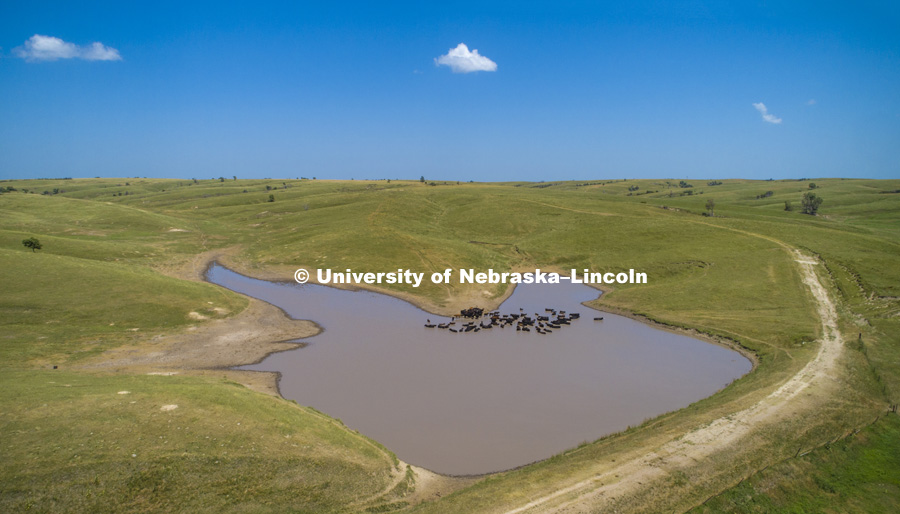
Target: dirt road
{"points": [[600, 492]]}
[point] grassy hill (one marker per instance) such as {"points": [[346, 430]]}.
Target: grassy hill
{"points": [[101, 281]]}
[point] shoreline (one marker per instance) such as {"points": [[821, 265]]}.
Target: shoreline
{"points": [[722, 341], [652, 323], [260, 331]]}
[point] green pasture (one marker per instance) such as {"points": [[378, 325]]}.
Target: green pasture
{"points": [[95, 285]]}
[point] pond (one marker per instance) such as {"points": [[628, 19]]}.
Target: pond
{"points": [[477, 402]]}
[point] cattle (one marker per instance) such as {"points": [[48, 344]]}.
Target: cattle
{"points": [[471, 312], [484, 320]]}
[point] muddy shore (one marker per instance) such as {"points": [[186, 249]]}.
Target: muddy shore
{"points": [[213, 347]]}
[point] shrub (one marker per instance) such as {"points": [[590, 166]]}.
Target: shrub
{"points": [[811, 203]]}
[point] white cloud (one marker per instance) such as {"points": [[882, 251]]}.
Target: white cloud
{"points": [[100, 52], [812, 101], [49, 48], [461, 60], [761, 107], [46, 48]]}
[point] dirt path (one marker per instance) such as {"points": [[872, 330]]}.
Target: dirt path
{"points": [[596, 493]]}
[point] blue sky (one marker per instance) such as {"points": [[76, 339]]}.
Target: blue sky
{"points": [[354, 90]]}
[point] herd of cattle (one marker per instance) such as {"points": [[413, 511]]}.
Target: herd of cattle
{"points": [[475, 319]]}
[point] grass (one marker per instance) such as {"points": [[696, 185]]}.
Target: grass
{"points": [[66, 309], [98, 278], [74, 442], [859, 473]]}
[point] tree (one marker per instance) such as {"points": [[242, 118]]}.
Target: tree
{"points": [[711, 207], [811, 203], [422, 179], [812, 185], [271, 198], [234, 177], [32, 243], [788, 206]]}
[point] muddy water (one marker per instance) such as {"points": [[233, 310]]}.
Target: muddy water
{"points": [[479, 402]]}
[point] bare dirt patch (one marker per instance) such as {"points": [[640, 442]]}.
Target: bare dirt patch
{"points": [[432, 486], [213, 346]]}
